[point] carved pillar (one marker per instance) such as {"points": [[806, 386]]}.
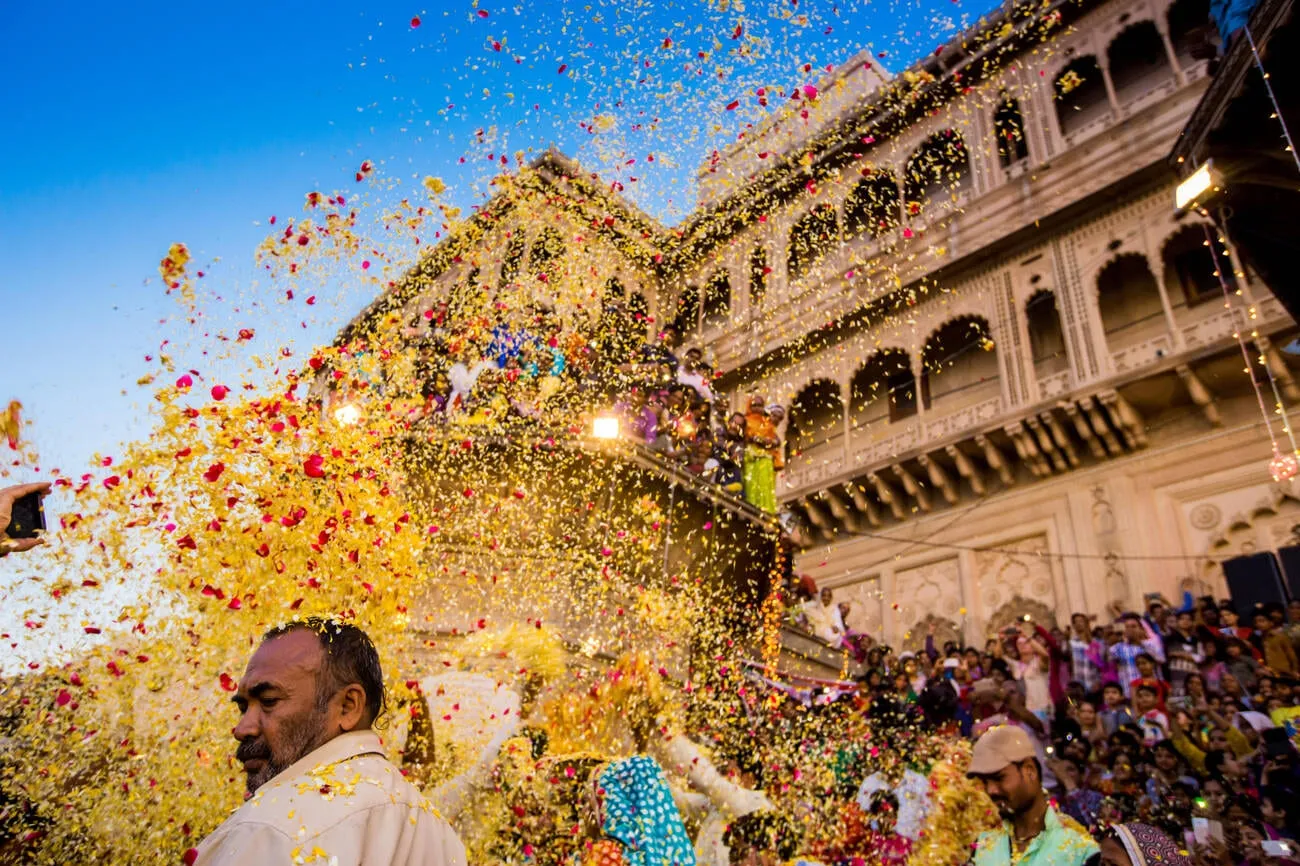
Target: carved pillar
{"points": [[978, 149], [846, 400], [913, 488], [887, 494], [939, 478], [1011, 344], [1103, 63], [1077, 306], [1156, 263], [967, 469], [997, 462], [1200, 394], [1278, 368], [778, 255], [918, 373], [1043, 94], [1162, 26]]}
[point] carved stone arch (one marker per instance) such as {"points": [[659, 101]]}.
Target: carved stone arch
{"points": [[1014, 610], [944, 630], [882, 387], [952, 358], [1136, 56], [815, 414], [1114, 257], [1179, 228], [970, 303]]}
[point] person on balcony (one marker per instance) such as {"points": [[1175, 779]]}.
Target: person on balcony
{"points": [[776, 413], [760, 473], [693, 374], [823, 617]]}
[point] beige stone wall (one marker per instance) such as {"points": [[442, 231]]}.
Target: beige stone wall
{"points": [[1159, 520]]}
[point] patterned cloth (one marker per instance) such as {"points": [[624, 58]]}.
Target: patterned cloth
{"points": [[640, 813], [1148, 846]]}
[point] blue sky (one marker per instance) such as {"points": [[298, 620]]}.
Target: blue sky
{"points": [[131, 126]]}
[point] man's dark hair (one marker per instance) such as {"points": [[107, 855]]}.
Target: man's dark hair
{"points": [[349, 657], [1148, 688], [1214, 763], [1147, 656]]}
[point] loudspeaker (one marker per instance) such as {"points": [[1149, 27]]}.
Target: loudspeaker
{"points": [[1290, 557], [1252, 580]]}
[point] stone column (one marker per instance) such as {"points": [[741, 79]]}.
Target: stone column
{"points": [[1103, 63], [1162, 25], [1156, 263], [846, 406], [918, 372]]}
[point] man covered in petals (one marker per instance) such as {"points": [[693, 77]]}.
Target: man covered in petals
{"points": [[319, 787]]}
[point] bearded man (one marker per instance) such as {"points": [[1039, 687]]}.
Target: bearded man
{"points": [[319, 786]]}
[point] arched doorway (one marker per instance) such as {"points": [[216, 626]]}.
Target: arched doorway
{"points": [[872, 206], [882, 390], [938, 170], [811, 238], [1080, 95], [960, 364], [1046, 339], [1129, 301], [1138, 62], [1190, 269], [1009, 127], [816, 418]]}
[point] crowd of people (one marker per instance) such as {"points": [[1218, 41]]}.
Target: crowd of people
{"points": [[477, 371], [1166, 736], [1182, 718]]}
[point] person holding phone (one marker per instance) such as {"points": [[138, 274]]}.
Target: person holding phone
{"points": [[10, 500]]}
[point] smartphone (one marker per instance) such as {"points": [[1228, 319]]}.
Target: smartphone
{"points": [[1277, 848], [1205, 829], [27, 518]]}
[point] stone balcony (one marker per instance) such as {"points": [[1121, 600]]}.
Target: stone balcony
{"points": [[972, 226], [973, 440]]}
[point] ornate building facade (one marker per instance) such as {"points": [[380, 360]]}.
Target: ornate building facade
{"points": [[1012, 369]]}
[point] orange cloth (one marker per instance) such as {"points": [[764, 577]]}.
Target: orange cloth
{"points": [[604, 852], [759, 429]]}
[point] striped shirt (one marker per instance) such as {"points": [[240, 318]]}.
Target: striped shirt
{"points": [[1084, 658], [1125, 655]]}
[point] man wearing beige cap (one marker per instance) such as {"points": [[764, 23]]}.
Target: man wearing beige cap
{"points": [[1032, 833]]}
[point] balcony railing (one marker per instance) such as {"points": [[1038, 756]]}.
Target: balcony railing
{"points": [[878, 443]]}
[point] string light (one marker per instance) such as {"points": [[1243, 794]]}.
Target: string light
{"points": [[1280, 466]]}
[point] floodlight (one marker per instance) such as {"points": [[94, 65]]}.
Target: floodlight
{"points": [[1197, 187], [604, 427]]}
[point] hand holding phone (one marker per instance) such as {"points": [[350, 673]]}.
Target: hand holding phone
{"points": [[22, 517], [1278, 848]]}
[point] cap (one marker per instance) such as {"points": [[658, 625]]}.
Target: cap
{"points": [[1000, 746]]}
